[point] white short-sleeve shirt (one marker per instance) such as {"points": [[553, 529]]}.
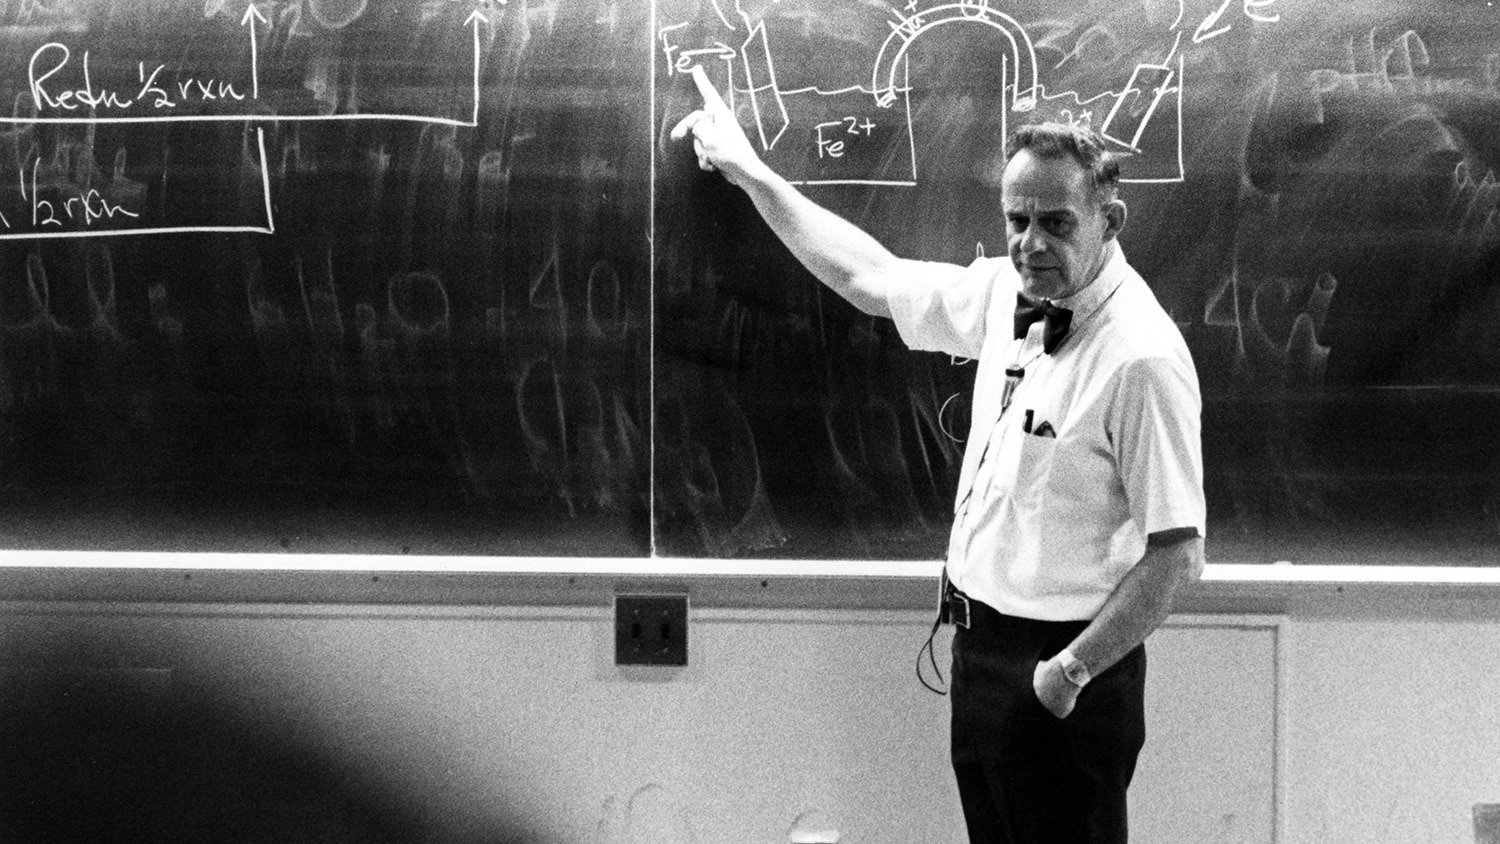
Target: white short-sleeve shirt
{"points": [[1047, 522]]}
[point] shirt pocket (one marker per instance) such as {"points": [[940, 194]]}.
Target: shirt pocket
{"points": [[1023, 474]]}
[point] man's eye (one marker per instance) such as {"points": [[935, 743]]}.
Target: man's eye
{"points": [[1058, 227]]}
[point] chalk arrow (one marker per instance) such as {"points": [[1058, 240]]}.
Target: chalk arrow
{"points": [[475, 19], [1203, 33], [253, 13]]}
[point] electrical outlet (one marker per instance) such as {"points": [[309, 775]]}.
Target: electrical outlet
{"points": [[651, 629], [1487, 823]]}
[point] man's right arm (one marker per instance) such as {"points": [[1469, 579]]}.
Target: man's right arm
{"points": [[839, 253]]}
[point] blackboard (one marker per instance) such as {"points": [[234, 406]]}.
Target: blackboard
{"points": [[1312, 198], [325, 276], [429, 276]]}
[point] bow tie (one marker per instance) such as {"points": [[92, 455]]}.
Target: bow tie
{"points": [[1055, 321]]}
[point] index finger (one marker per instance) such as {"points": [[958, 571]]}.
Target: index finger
{"points": [[711, 99]]}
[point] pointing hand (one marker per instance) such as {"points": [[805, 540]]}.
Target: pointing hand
{"points": [[718, 140]]}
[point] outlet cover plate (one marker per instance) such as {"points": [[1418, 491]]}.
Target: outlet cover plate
{"points": [[651, 630]]}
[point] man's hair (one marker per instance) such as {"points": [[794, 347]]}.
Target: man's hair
{"points": [[1064, 140]]}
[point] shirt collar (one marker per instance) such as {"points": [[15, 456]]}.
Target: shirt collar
{"points": [[1086, 301]]}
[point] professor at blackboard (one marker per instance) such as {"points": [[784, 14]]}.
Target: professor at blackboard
{"points": [[1080, 505]]}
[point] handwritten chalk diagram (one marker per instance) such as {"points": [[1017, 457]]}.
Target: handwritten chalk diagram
{"points": [[1141, 113], [846, 133], [61, 194]]}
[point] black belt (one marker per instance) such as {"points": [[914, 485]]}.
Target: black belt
{"points": [[967, 613], [960, 608], [963, 612]]}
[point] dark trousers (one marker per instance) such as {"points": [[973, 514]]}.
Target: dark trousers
{"points": [[1024, 776]]}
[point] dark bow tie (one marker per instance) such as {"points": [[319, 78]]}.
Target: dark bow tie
{"points": [[1055, 321]]}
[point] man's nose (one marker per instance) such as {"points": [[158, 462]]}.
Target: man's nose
{"points": [[1032, 242]]}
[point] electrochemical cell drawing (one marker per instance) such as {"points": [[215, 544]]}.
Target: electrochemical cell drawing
{"points": [[1137, 107], [68, 86]]}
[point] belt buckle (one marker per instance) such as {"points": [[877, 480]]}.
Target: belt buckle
{"points": [[958, 607]]}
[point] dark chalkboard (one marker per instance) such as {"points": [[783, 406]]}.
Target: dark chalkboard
{"points": [[428, 276], [1312, 198], [324, 276]]}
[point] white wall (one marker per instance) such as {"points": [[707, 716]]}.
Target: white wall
{"points": [[1393, 720], [516, 719], [1375, 721]]}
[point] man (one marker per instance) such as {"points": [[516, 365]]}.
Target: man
{"points": [[1080, 503]]}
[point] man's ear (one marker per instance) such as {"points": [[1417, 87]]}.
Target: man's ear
{"points": [[1114, 218]]}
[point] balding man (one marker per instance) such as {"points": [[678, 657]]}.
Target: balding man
{"points": [[1080, 507]]}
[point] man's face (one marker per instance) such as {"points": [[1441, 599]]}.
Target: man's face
{"points": [[1055, 228]]}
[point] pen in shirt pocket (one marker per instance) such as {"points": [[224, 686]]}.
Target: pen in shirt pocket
{"points": [[1043, 430]]}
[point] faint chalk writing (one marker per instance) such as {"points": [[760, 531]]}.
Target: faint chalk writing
{"points": [[1216, 24], [651, 815]]}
